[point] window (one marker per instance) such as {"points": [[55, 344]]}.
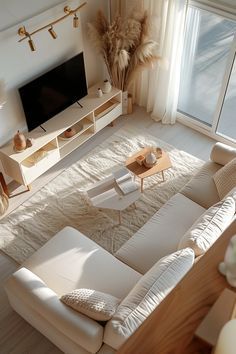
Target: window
{"points": [[208, 76]]}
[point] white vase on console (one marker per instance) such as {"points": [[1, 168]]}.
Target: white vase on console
{"points": [[106, 88]]}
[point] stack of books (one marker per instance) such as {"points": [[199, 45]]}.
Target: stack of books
{"points": [[125, 181]]}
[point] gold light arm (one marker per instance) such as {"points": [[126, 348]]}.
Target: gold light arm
{"points": [[67, 10]]}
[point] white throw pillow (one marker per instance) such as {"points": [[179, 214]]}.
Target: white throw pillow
{"points": [[146, 295], [205, 231], [94, 304], [225, 178]]}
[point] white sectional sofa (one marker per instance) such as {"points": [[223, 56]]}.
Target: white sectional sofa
{"points": [[137, 274]]}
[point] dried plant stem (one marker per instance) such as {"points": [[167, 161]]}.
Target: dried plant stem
{"points": [[124, 45]]}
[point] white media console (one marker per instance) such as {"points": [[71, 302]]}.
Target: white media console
{"points": [[51, 146]]}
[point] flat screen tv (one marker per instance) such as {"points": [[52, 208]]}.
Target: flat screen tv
{"points": [[54, 91]]}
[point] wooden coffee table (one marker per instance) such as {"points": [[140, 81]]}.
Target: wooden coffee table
{"points": [[163, 163]]}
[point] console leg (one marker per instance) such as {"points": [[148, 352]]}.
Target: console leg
{"points": [[29, 187], [111, 124]]}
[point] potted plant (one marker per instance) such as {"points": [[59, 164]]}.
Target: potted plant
{"points": [[125, 46]]}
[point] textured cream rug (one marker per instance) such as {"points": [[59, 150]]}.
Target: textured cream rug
{"points": [[63, 201]]}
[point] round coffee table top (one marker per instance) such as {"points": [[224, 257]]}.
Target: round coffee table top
{"points": [[162, 164]]}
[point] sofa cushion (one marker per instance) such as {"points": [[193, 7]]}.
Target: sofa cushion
{"points": [[222, 153], [94, 304], [209, 227], [161, 234], [147, 294], [70, 261], [201, 188], [225, 178]]}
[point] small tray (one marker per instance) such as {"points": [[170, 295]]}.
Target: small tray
{"points": [[79, 128]]}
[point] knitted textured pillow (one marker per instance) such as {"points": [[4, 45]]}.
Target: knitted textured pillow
{"points": [[94, 304], [225, 178]]}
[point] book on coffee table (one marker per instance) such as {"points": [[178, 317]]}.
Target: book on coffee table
{"points": [[102, 197], [125, 181]]}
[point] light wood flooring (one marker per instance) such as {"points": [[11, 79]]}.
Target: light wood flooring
{"points": [[16, 335]]}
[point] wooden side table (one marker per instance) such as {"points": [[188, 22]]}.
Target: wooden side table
{"points": [[4, 185], [163, 163], [221, 312]]}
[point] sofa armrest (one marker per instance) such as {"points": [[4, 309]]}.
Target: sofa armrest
{"points": [[222, 153], [34, 292]]}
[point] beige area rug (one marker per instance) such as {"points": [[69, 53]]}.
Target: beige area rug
{"points": [[63, 201]]}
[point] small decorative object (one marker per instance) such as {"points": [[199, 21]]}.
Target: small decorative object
{"points": [[29, 142], [106, 88], [226, 339], [4, 203], [99, 92], [140, 159], [69, 132], [158, 152], [19, 142], [150, 159], [228, 267]]}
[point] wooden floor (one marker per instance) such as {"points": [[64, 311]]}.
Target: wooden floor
{"points": [[18, 337]]}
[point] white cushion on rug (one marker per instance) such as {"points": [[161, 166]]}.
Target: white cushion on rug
{"points": [[94, 304], [146, 295], [225, 178], [209, 227]]}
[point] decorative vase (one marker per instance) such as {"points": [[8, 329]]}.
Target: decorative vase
{"points": [[99, 92], [150, 158], [19, 142], [4, 203], [106, 88], [69, 132], [228, 267]]}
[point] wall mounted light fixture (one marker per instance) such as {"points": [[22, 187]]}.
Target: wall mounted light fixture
{"points": [[68, 12]]}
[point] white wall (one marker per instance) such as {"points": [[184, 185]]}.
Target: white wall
{"points": [[19, 65]]}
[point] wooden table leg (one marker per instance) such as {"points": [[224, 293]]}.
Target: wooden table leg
{"points": [[119, 217], [142, 185], [163, 177], [29, 187]]}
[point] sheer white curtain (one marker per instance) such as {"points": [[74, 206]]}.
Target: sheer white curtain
{"points": [[157, 88]]}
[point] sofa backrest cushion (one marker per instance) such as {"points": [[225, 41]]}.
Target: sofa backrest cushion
{"points": [[146, 295], [205, 231], [222, 153], [225, 178], [201, 188]]}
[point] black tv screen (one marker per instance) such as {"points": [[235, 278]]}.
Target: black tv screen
{"points": [[54, 91]]}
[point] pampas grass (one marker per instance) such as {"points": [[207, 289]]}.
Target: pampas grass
{"points": [[124, 45]]}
